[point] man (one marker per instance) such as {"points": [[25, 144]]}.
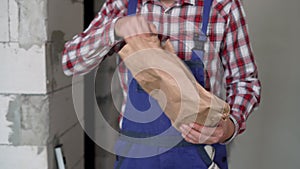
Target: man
{"points": [[227, 31]]}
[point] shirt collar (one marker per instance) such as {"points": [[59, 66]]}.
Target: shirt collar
{"points": [[180, 2]]}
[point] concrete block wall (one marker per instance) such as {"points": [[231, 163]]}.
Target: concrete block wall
{"points": [[36, 106], [19, 69], [24, 131], [23, 36]]}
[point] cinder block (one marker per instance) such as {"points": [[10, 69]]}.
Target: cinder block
{"points": [[27, 117], [22, 71], [13, 20], [25, 157], [5, 130], [32, 23], [72, 21], [4, 33]]}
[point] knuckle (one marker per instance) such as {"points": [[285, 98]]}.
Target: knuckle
{"points": [[215, 140]]}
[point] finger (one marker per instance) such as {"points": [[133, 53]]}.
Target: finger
{"points": [[200, 139], [153, 39], [153, 28], [184, 130], [216, 132], [208, 131], [196, 126], [208, 139], [190, 140], [197, 136], [189, 132]]}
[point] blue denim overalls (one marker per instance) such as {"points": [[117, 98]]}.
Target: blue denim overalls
{"points": [[144, 118]]}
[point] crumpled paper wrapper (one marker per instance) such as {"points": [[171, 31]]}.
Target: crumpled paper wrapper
{"points": [[167, 79]]}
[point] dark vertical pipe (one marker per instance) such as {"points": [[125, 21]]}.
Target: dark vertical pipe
{"points": [[89, 145], [88, 12]]}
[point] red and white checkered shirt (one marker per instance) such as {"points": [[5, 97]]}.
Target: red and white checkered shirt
{"points": [[227, 31]]}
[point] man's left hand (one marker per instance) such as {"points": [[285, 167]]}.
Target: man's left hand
{"points": [[199, 134]]}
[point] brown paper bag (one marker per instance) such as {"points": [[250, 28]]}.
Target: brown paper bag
{"points": [[166, 78]]}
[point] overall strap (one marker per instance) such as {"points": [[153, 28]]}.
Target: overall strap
{"points": [[132, 5], [205, 17], [198, 50]]}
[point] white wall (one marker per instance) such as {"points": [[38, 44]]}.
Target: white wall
{"points": [[273, 137]]}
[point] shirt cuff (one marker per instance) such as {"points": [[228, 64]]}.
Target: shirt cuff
{"points": [[116, 42], [236, 130], [114, 38]]}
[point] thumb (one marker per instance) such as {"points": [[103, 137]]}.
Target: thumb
{"points": [[125, 52], [169, 47]]}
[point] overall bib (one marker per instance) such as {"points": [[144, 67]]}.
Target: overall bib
{"points": [[144, 118]]}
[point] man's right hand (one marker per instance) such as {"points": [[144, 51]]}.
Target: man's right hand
{"points": [[132, 25]]}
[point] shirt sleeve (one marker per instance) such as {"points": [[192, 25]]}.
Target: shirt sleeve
{"points": [[242, 83], [87, 49]]}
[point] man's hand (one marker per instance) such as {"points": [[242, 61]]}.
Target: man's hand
{"points": [[132, 26], [198, 134], [144, 41]]}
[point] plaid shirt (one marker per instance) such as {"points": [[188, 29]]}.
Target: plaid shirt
{"points": [[227, 31]]}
